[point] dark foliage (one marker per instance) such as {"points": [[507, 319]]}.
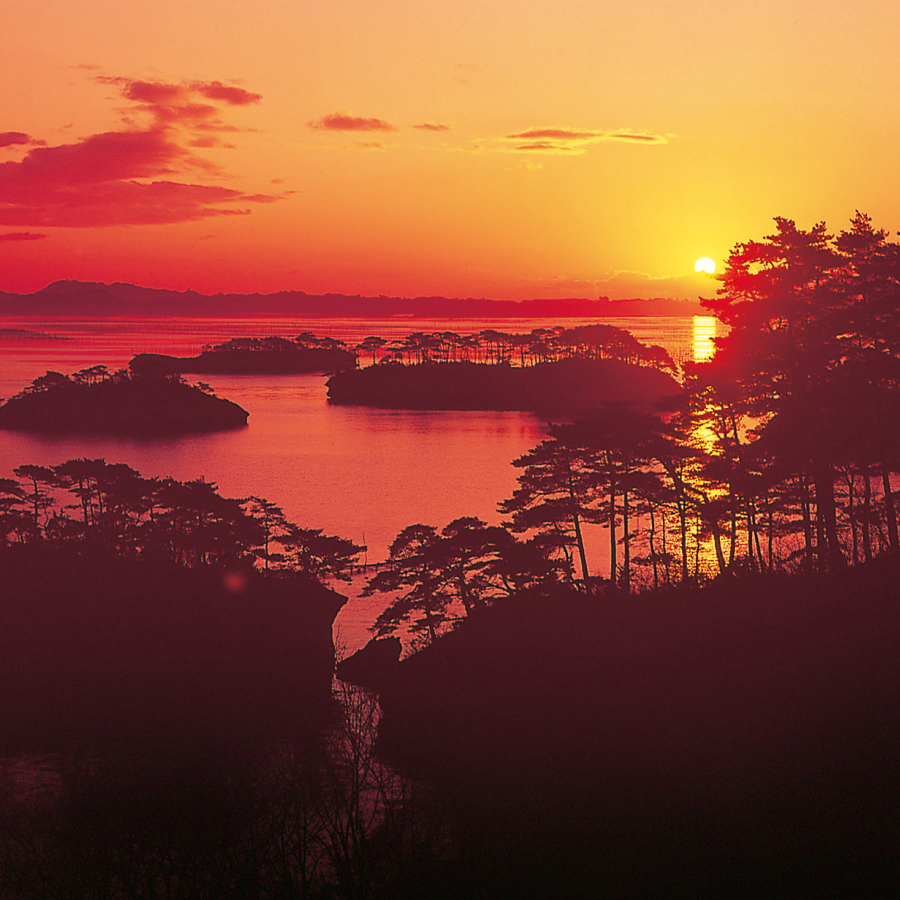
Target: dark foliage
{"points": [[253, 356], [739, 740], [118, 404], [553, 388]]}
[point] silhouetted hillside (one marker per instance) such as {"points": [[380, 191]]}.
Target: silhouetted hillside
{"points": [[100, 651], [77, 298], [741, 740]]}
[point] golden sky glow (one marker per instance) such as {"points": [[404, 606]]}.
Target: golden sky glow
{"points": [[500, 148]]}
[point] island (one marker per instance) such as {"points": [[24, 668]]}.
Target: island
{"points": [[565, 387], [253, 356], [93, 401]]}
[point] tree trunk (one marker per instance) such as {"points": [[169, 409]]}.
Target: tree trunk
{"points": [[867, 515], [576, 521], [613, 562], [807, 520], [834, 557], [889, 506], [626, 562]]}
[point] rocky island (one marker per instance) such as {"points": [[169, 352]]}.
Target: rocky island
{"points": [[253, 356], [93, 401]]}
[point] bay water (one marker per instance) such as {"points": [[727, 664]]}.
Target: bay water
{"points": [[360, 473]]}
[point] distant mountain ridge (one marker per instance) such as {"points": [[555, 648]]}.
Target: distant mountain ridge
{"points": [[99, 300]]}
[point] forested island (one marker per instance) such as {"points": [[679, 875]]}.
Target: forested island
{"points": [[253, 356], [553, 371], [99, 402]]}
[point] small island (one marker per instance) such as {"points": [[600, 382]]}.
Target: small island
{"points": [[551, 371], [253, 356], [565, 387], [93, 401]]}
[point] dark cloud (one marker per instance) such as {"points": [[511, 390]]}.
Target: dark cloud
{"points": [[124, 203], [346, 122], [153, 92], [11, 138], [172, 104], [130, 176], [428, 126], [22, 236], [215, 90]]}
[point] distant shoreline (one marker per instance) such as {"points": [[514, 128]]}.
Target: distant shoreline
{"points": [[99, 300]]}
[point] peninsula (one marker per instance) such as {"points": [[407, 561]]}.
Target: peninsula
{"points": [[93, 401]]}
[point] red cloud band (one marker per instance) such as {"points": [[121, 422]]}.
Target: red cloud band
{"points": [[100, 180], [346, 122]]}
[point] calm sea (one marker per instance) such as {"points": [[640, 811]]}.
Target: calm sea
{"points": [[363, 474]]}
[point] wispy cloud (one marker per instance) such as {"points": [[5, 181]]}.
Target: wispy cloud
{"points": [[345, 122], [547, 147], [636, 137], [430, 126], [132, 175], [563, 134], [555, 139]]}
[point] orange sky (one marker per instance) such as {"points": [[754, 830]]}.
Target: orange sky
{"points": [[500, 148]]}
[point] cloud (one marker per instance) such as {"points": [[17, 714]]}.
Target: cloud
{"points": [[178, 103], [22, 236], [10, 138], [346, 122], [134, 175], [623, 285], [18, 138], [555, 139], [569, 134], [215, 90], [548, 147], [636, 137], [428, 126]]}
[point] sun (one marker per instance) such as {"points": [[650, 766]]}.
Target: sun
{"points": [[705, 264]]}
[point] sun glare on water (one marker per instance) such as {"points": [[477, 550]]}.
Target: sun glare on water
{"points": [[705, 264]]}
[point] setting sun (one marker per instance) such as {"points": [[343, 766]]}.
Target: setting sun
{"points": [[705, 264]]}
